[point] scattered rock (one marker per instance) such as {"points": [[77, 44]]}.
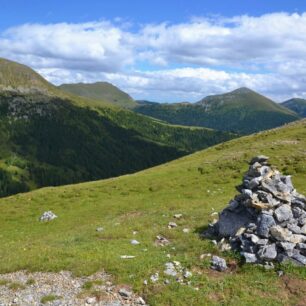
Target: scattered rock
{"points": [[125, 293], [186, 230], [178, 216], [47, 216], [172, 225], [127, 256], [161, 241], [67, 289], [135, 242], [99, 229], [218, 263], [267, 220], [154, 277]]}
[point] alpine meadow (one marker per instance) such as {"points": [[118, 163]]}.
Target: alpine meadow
{"points": [[152, 153]]}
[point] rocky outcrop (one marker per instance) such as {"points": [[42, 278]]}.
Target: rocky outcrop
{"points": [[267, 220]]}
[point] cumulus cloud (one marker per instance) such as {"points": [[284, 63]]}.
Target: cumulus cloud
{"points": [[266, 53]]}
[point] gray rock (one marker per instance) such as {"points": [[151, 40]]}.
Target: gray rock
{"points": [[172, 225], [249, 257], [254, 183], [218, 263], [259, 159], [300, 258], [125, 293], [283, 213], [247, 192], [47, 216], [294, 228], [99, 229], [265, 222], [279, 233], [287, 246], [170, 269], [268, 252], [229, 222], [135, 242]]}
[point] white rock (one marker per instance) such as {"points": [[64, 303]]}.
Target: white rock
{"points": [[90, 300], [186, 230], [127, 256], [135, 242], [47, 216]]}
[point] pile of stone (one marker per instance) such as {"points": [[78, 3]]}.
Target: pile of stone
{"points": [[267, 221]]}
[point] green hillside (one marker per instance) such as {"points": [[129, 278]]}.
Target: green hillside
{"points": [[296, 105], [242, 111], [101, 91], [195, 186], [52, 138]]}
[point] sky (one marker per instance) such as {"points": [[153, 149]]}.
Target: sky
{"points": [[166, 51]]}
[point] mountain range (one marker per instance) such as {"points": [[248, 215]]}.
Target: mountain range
{"points": [[50, 137], [241, 111], [297, 105]]}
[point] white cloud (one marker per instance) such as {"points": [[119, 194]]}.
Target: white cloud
{"points": [[266, 53]]}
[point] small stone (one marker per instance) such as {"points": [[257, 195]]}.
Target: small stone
{"points": [[145, 282], [280, 273], [249, 257], [140, 301], [202, 256], [154, 277], [240, 231], [287, 246], [135, 232], [247, 192], [166, 282], [90, 300], [135, 242], [162, 241], [125, 293], [172, 225], [218, 263], [127, 256], [99, 229], [187, 274], [186, 230], [170, 269], [47, 216], [283, 213], [178, 216], [259, 159]]}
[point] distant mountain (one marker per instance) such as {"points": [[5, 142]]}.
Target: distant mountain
{"points": [[48, 137], [297, 105], [241, 111], [101, 91]]}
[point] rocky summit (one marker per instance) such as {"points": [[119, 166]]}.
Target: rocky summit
{"points": [[266, 221]]}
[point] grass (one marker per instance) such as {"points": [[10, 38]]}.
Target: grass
{"points": [[49, 298], [16, 286], [195, 186]]}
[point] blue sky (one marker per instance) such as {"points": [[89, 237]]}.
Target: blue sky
{"points": [[15, 12], [162, 50]]}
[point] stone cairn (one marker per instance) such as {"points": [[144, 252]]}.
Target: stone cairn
{"points": [[267, 221]]}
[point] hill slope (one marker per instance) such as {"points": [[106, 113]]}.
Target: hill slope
{"points": [[101, 91], [52, 138], [241, 111], [196, 186], [296, 105]]}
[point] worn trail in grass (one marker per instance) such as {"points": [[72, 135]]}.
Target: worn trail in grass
{"points": [[195, 186]]}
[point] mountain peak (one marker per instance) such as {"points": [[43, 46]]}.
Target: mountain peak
{"points": [[101, 91], [242, 90], [20, 78]]}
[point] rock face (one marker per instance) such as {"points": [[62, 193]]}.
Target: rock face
{"points": [[266, 221]]}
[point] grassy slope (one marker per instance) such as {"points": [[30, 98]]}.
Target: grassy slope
{"points": [[241, 111], [195, 185], [100, 91], [297, 105]]}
